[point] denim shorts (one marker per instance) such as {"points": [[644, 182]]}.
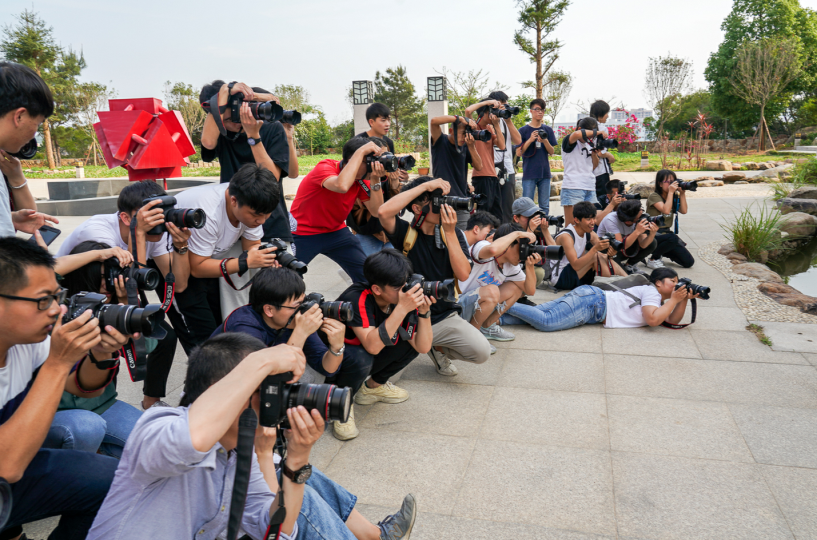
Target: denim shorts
{"points": [[469, 302], [569, 197]]}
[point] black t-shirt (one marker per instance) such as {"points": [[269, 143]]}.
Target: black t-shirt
{"points": [[367, 314], [450, 165], [233, 154], [388, 141], [431, 262]]}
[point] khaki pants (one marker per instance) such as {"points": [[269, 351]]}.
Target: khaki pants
{"points": [[460, 341]]}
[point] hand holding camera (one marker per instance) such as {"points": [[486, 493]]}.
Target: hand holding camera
{"points": [[335, 332], [283, 258], [436, 184], [410, 300], [693, 290], [252, 127], [181, 217], [179, 236], [305, 428], [448, 220], [604, 244], [308, 322], [151, 216], [11, 167], [71, 340], [262, 256], [124, 257], [111, 340]]}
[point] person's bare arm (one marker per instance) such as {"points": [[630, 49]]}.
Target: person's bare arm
{"points": [[682, 206], [375, 196], [252, 128], [488, 102], [205, 267], [388, 211], [293, 170], [498, 247], [589, 256], [476, 161], [516, 138], [88, 381], [609, 157], [13, 169], [347, 177], [588, 134], [436, 122], [654, 316], [528, 286], [458, 259], [408, 302], [421, 340], [499, 138]]}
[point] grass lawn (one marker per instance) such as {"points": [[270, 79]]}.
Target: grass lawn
{"points": [[631, 161]]}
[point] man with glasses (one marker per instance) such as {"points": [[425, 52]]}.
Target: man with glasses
{"points": [[535, 151], [34, 372]]}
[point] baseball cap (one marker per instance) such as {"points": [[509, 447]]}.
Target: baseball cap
{"points": [[524, 206]]}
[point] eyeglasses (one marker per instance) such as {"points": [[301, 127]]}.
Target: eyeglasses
{"points": [[288, 307], [43, 302]]}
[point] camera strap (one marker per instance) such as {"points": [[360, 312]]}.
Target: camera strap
{"points": [[676, 204], [242, 265], [408, 327], [637, 301], [216, 111], [247, 424]]}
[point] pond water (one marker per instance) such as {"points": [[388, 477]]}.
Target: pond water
{"points": [[800, 268]]}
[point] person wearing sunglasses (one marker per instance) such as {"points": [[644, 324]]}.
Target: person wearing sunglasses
{"points": [[40, 357]]}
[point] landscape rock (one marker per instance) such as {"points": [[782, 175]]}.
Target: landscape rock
{"points": [[789, 205], [718, 165], [557, 177], [751, 166], [555, 188], [758, 271], [704, 178], [642, 189], [737, 166], [740, 182], [736, 258], [798, 224], [732, 176], [763, 166], [789, 296], [726, 249], [805, 192], [710, 183]]}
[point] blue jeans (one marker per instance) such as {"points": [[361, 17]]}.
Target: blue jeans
{"points": [[370, 244], [325, 509], [341, 246], [583, 305], [87, 431], [63, 483], [529, 186]]}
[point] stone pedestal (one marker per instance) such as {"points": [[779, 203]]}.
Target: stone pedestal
{"points": [[437, 106], [362, 97]]}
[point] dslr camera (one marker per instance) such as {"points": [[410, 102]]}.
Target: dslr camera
{"points": [[439, 290], [457, 203], [406, 162], [601, 143], [340, 311], [479, 134], [631, 196], [557, 221], [28, 150], [658, 220], [694, 289], [147, 279], [505, 112], [617, 245], [192, 218], [387, 159], [126, 319], [688, 186], [287, 260], [549, 253], [277, 396]]}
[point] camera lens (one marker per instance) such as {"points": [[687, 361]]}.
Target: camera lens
{"points": [[406, 162], [389, 162], [481, 135], [458, 203], [291, 117], [287, 260], [331, 402], [28, 150], [632, 196], [440, 290], [5, 502], [689, 186], [192, 218], [147, 279], [554, 253], [268, 111], [340, 311], [513, 110], [131, 319]]}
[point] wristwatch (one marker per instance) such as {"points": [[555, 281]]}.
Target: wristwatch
{"points": [[253, 142], [340, 351], [425, 315], [376, 186], [105, 364], [182, 250], [300, 476]]}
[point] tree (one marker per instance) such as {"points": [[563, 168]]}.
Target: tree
{"points": [[396, 91], [316, 134], [294, 97], [753, 20], [63, 83], [667, 77], [764, 70], [556, 91], [690, 105], [523, 102], [465, 89], [184, 98], [88, 99], [540, 17]]}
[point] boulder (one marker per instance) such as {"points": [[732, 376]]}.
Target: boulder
{"points": [[730, 177], [704, 178], [726, 249], [736, 258], [805, 192], [751, 166], [758, 271], [557, 177], [789, 205], [762, 166], [718, 165], [710, 183], [737, 166], [740, 182], [789, 296], [555, 188], [798, 224], [642, 189]]}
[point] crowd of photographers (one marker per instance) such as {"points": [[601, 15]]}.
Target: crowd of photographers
{"points": [[439, 266]]}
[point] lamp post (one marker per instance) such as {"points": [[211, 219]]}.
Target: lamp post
{"points": [[362, 97], [437, 106]]}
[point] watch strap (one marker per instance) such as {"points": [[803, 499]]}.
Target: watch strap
{"points": [[296, 475]]}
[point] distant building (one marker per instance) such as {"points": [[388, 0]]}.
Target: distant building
{"points": [[617, 118]]}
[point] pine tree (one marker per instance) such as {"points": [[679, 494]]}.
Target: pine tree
{"points": [[396, 91]]}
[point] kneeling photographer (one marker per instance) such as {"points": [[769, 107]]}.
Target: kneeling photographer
{"points": [[533, 219], [669, 198], [437, 249], [391, 325], [661, 303], [637, 233], [498, 280]]}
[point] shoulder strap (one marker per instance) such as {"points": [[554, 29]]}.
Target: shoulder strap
{"points": [[636, 300], [409, 240]]}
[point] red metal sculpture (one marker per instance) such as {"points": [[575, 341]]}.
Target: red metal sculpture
{"points": [[146, 139]]}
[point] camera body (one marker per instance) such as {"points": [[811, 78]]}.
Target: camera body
{"points": [[147, 279], [340, 311], [192, 218], [617, 245], [631, 196], [557, 221], [387, 159], [695, 289], [440, 290], [479, 134], [287, 260], [277, 396], [506, 112], [688, 186], [126, 319], [658, 220], [268, 111], [601, 143], [549, 253]]}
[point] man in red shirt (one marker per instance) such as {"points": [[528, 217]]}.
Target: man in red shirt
{"points": [[325, 197]]}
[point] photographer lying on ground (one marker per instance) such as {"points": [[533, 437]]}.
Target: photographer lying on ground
{"points": [[176, 475], [497, 280], [484, 178], [480, 225], [235, 212], [629, 225], [535, 151], [437, 250], [644, 305], [325, 198], [34, 372], [581, 264], [669, 198], [267, 144], [450, 155], [390, 327]]}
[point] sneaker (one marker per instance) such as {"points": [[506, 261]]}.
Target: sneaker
{"points": [[344, 431], [654, 263], [442, 363], [496, 333], [387, 393], [632, 269], [493, 349], [398, 526], [526, 301]]}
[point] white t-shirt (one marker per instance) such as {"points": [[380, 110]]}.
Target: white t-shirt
{"points": [[619, 312], [105, 228], [6, 225], [218, 235], [604, 166], [578, 166], [579, 244], [488, 272], [611, 224], [22, 361], [507, 155]]}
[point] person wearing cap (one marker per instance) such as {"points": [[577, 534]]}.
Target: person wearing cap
{"points": [[528, 215]]}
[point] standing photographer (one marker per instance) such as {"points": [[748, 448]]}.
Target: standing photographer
{"points": [[539, 143], [580, 157], [325, 198], [668, 199], [628, 225], [600, 111], [503, 159], [267, 144], [484, 179]]}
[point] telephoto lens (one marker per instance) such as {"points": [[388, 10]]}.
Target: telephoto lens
{"points": [[609, 144], [5, 502], [277, 396], [125, 319], [291, 117], [689, 186], [268, 111], [617, 245], [558, 221], [514, 110], [658, 220], [387, 159], [440, 290], [147, 279], [406, 162], [502, 113], [28, 151], [340, 311], [695, 289], [457, 203], [285, 259], [479, 198], [480, 134], [550, 253], [180, 217]]}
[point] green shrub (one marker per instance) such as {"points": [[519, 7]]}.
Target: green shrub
{"points": [[806, 173], [754, 233], [781, 190]]}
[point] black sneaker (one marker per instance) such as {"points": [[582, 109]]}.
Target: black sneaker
{"points": [[398, 526], [527, 301]]}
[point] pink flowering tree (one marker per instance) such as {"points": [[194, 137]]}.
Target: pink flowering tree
{"points": [[626, 133]]}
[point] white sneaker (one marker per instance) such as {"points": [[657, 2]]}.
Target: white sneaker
{"points": [[387, 393], [654, 263], [442, 363], [493, 349], [496, 333], [344, 431]]}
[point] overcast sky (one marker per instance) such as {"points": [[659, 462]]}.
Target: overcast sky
{"points": [[324, 45]]}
